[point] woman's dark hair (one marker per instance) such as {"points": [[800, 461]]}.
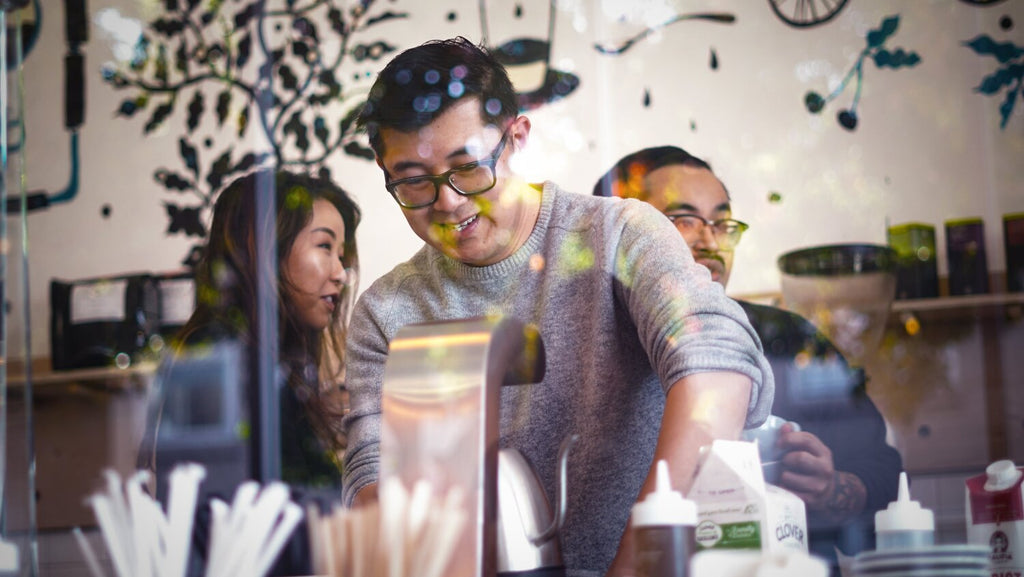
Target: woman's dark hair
{"points": [[226, 285], [626, 178], [423, 82]]}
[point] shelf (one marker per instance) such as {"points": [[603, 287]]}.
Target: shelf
{"points": [[959, 306], [949, 307], [110, 378]]}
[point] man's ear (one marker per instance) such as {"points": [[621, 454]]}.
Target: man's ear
{"points": [[520, 131]]}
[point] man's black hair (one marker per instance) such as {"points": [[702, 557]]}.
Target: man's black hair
{"points": [[423, 82], [625, 178]]}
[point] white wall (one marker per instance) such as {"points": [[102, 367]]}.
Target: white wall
{"points": [[927, 147]]}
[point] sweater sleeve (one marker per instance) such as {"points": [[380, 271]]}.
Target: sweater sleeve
{"points": [[684, 319], [366, 354]]}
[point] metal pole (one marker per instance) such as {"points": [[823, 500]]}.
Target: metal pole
{"points": [[265, 415]]}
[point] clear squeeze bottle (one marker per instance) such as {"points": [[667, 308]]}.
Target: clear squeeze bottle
{"points": [[663, 525], [904, 524]]}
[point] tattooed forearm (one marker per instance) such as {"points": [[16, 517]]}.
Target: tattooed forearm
{"points": [[846, 499]]}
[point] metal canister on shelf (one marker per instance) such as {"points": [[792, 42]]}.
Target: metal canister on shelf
{"points": [[917, 274], [1013, 242], [965, 251]]}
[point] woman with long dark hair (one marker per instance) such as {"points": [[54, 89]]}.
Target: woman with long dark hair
{"points": [[317, 266]]}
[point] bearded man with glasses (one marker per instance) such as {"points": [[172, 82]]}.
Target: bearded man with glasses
{"points": [[647, 358], [839, 463]]}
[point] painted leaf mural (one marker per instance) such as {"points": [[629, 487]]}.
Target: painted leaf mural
{"points": [[1009, 77], [228, 68]]}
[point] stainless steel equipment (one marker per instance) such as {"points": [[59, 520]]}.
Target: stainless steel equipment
{"points": [[440, 398], [527, 527]]}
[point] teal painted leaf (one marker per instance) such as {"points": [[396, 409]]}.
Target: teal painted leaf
{"points": [[219, 169], [250, 160], [168, 27], [190, 155], [288, 78], [128, 108], [898, 58], [185, 219], [223, 106], [242, 18], [337, 21], [1002, 51], [243, 121], [359, 151], [140, 54], [161, 65], [878, 36], [196, 107], [320, 130], [171, 180], [995, 82], [1006, 109], [385, 16], [244, 50], [159, 115], [349, 119], [181, 59], [296, 127]]}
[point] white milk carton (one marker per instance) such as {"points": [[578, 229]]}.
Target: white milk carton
{"points": [[995, 516], [736, 509]]}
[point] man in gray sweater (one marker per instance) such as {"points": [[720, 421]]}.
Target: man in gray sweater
{"points": [[646, 357]]}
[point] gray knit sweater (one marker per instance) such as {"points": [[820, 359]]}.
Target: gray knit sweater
{"points": [[622, 309]]}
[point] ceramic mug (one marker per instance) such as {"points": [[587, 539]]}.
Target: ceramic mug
{"points": [[766, 436]]}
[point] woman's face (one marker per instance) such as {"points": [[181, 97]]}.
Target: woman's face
{"points": [[313, 268]]}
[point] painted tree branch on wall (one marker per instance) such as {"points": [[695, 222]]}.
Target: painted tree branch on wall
{"points": [[231, 63], [1009, 75], [882, 57]]}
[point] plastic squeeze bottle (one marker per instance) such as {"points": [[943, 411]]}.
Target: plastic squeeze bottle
{"points": [[995, 516], [904, 524], [663, 525]]}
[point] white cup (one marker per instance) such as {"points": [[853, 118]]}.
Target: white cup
{"points": [[766, 436]]}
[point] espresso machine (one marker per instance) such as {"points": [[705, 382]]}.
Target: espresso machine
{"points": [[440, 406]]}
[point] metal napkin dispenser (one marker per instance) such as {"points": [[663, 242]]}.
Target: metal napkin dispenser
{"points": [[440, 404], [99, 321]]}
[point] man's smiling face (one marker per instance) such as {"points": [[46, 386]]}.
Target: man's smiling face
{"points": [[477, 230]]}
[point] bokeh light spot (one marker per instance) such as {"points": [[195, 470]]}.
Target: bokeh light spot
{"points": [[802, 360], [537, 262], [912, 325]]}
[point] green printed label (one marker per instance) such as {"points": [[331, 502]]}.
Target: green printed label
{"points": [[745, 535]]}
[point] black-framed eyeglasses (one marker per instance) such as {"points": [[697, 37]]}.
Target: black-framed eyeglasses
{"points": [[468, 179], [727, 231]]}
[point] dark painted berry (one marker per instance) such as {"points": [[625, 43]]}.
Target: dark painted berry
{"points": [[848, 119], [814, 102]]}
